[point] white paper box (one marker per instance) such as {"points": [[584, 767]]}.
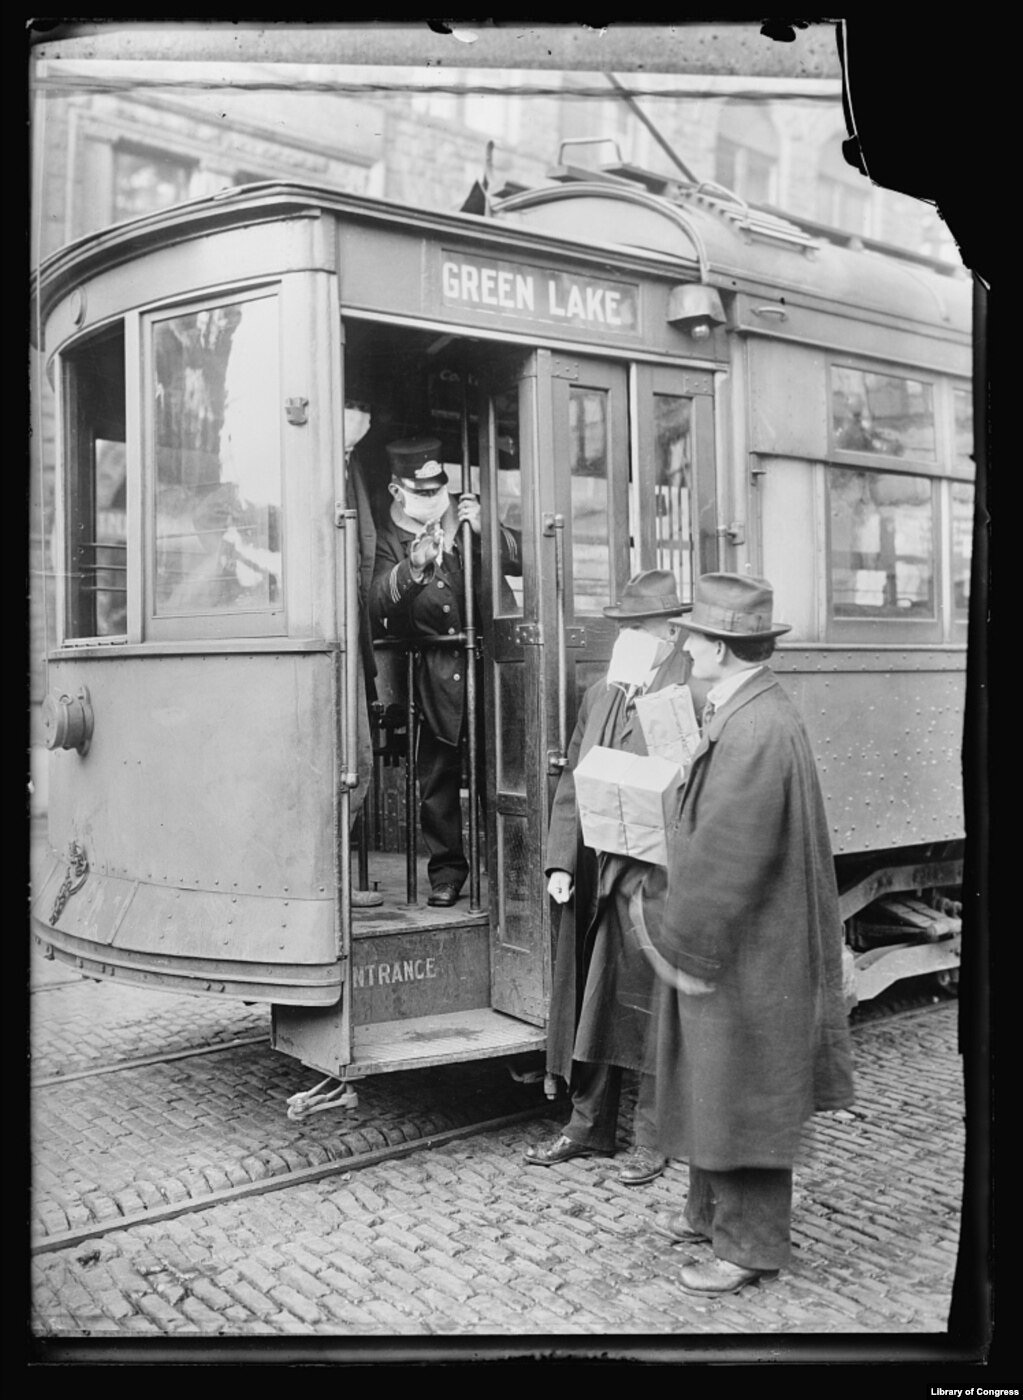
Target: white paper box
{"points": [[626, 802]]}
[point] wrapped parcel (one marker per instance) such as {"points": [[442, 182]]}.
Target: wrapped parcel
{"points": [[627, 802], [669, 725]]}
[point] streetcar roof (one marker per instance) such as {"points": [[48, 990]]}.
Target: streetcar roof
{"points": [[696, 233]]}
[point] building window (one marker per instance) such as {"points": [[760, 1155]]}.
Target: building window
{"points": [[147, 180], [97, 537], [746, 153], [843, 194]]}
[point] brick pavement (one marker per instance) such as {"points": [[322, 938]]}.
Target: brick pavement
{"points": [[461, 1240]]}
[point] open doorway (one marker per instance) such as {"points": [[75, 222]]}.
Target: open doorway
{"points": [[406, 385]]}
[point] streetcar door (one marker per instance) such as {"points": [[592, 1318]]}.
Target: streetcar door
{"points": [[555, 451]]}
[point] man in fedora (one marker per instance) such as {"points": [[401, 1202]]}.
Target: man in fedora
{"points": [[601, 1007], [418, 594], [752, 1035]]}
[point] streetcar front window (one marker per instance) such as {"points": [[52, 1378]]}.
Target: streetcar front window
{"points": [[215, 398], [97, 546]]}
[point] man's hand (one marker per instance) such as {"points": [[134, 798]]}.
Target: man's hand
{"points": [[690, 986], [682, 981], [469, 509], [424, 549], [559, 886]]}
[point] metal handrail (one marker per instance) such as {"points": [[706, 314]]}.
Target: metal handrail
{"points": [[560, 760], [414, 647]]}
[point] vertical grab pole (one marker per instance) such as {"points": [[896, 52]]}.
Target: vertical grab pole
{"points": [[349, 687], [411, 816], [470, 713], [554, 525], [470, 657]]}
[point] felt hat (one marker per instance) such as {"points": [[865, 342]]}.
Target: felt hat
{"points": [[734, 607], [652, 593]]}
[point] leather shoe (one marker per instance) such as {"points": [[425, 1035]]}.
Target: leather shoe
{"points": [[366, 899], [679, 1228], [719, 1277], [443, 896], [641, 1165], [562, 1149]]}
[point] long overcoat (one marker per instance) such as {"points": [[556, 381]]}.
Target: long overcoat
{"points": [[601, 1006], [433, 609], [751, 906]]}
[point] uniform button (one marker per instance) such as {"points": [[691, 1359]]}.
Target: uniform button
{"points": [[451, 631], [446, 607], [457, 677], [440, 583]]}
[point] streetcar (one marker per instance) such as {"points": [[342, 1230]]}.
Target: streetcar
{"points": [[631, 373]]}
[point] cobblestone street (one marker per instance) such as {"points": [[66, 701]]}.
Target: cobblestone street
{"points": [[456, 1241]]}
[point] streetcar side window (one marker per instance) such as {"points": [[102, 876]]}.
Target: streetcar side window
{"points": [[96, 518], [962, 547], [962, 403], [899, 531], [882, 544], [215, 377], [882, 413]]}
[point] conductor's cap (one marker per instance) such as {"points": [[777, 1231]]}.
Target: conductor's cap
{"points": [[415, 464]]}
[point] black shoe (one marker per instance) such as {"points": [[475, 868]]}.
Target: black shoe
{"points": [[562, 1149], [642, 1165], [719, 1276], [443, 896], [678, 1228]]}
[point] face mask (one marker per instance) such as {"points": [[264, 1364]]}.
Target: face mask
{"points": [[664, 649], [357, 425], [424, 510], [636, 653]]}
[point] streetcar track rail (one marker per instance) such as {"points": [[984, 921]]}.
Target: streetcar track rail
{"points": [[900, 1010], [867, 1013], [300, 1176], [146, 1061]]}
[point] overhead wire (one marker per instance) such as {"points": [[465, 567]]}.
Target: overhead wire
{"points": [[83, 83]]}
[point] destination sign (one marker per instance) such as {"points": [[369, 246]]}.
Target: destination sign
{"points": [[517, 291]]}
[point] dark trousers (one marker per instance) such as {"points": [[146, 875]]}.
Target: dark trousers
{"points": [[746, 1214], [596, 1092], [440, 809]]}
